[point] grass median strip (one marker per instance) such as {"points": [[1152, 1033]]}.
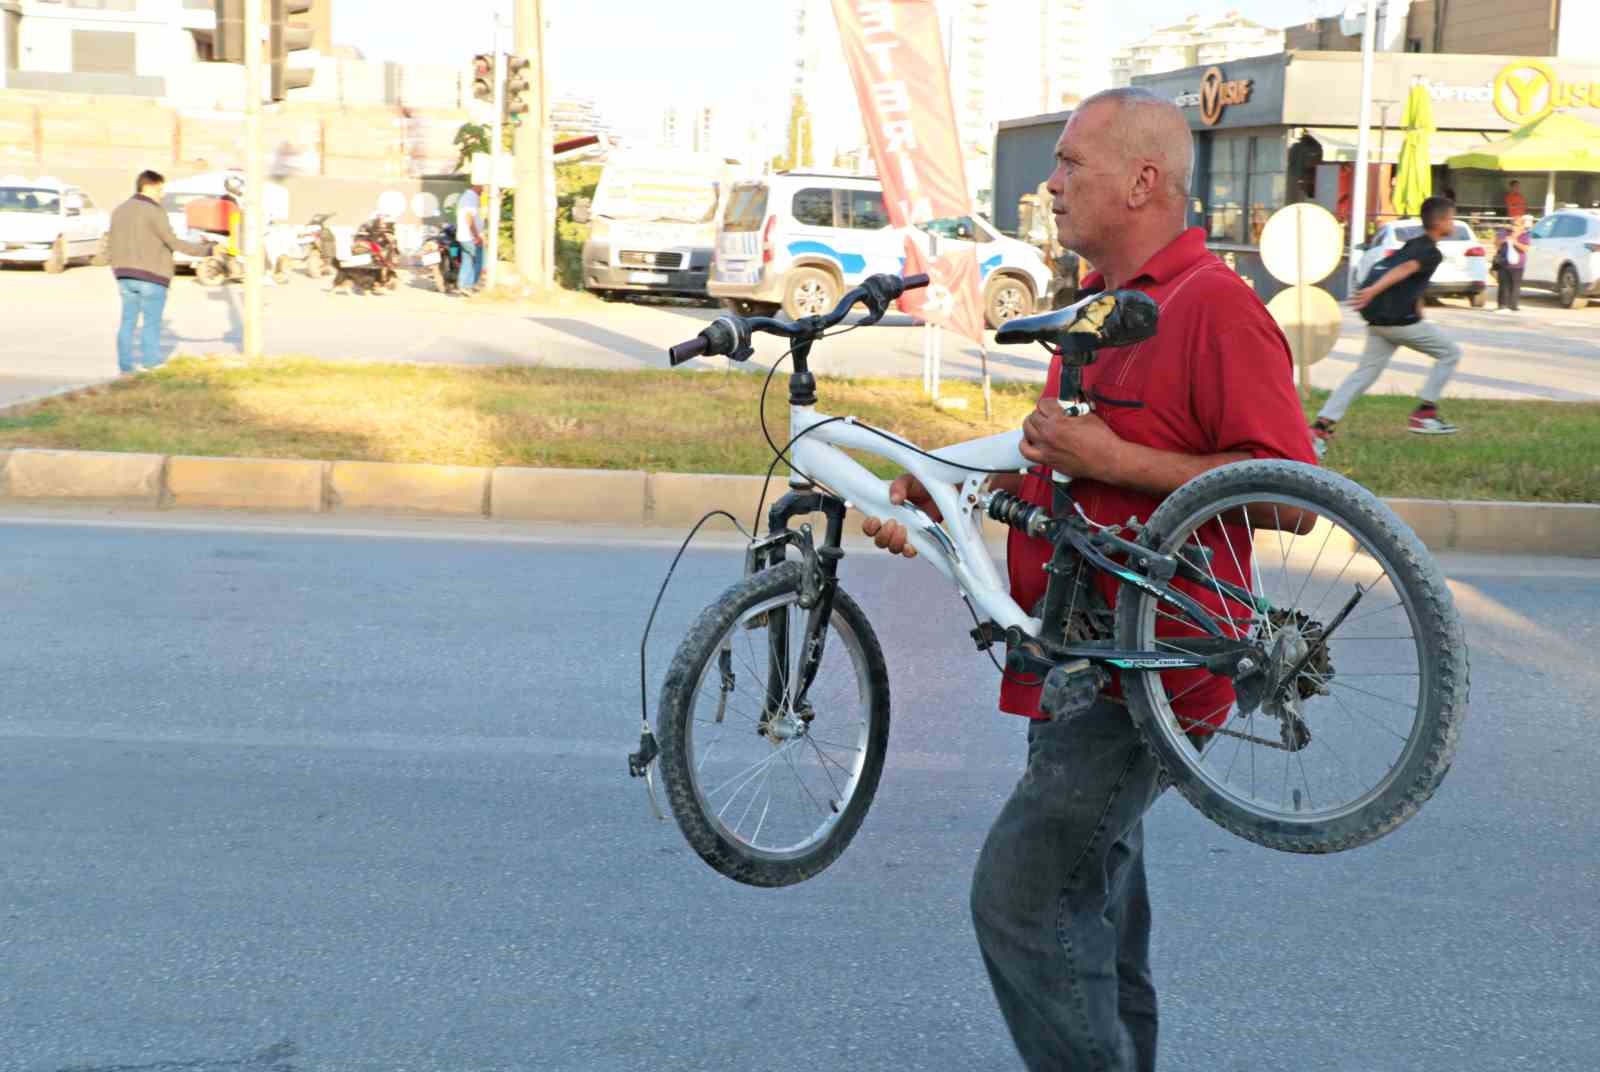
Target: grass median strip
{"points": [[705, 423]]}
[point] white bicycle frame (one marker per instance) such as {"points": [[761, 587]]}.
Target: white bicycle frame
{"points": [[956, 549]]}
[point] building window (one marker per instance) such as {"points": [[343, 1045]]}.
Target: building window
{"points": [[1225, 200], [104, 52], [1247, 185], [1267, 186]]}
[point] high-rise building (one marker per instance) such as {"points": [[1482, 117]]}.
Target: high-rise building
{"points": [[1197, 41], [1007, 58], [574, 116], [1570, 30], [705, 132]]}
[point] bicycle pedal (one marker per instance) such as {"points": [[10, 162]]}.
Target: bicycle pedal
{"points": [[1070, 689]]}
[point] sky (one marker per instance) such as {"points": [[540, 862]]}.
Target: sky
{"points": [[683, 51]]}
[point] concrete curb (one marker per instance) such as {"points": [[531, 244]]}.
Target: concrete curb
{"points": [[608, 497]]}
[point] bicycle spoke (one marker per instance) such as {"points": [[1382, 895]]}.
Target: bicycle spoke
{"points": [[1368, 718]]}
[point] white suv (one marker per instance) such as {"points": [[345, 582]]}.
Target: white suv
{"points": [[1564, 256], [798, 240], [43, 221]]}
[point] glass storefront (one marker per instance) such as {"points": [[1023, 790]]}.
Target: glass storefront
{"points": [[1245, 182]]}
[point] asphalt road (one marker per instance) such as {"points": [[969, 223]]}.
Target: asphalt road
{"points": [[60, 331], [285, 798]]}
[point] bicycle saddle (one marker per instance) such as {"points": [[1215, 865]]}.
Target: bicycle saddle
{"points": [[1109, 318]]}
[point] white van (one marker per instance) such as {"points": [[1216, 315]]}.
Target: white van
{"points": [[798, 240], [652, 223]]}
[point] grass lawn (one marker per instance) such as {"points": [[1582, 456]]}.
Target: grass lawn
{"points": [[705, 422]]}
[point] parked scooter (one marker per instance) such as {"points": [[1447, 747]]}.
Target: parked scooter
{"points": [[442, 253], [314, 248], [374, 257]]}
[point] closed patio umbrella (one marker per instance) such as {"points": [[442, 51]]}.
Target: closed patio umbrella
{"points": [[1413, 183]]}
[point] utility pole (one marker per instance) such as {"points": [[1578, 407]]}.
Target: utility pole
{"points": [[253, 210], [531, 222], [496, 140], [1358, 203]]}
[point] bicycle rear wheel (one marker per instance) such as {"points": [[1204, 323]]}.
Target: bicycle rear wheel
{"points": [[769, 792], [1352, 724]]}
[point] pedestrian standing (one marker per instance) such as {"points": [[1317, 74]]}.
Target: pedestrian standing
{"points": [[1510, 260], [1059, 897], [140, 248], [469, 233], [1390, 301]]}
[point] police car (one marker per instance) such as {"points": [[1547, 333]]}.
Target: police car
{"points": [[798, 240]]}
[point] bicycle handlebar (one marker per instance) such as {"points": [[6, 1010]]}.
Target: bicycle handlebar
{"points": [[730, 335]]}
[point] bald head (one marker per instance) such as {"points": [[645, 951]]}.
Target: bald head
{"points": [[1147, 131], [1121, 182]]}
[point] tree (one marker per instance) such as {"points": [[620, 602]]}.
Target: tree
{"points": [[798, 154]]}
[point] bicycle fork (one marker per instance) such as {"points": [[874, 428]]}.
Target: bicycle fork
{"points": [[786, 689]]}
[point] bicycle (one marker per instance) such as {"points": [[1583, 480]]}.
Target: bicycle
{"points": [[784, 674]]}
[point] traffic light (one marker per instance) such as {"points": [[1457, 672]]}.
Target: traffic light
{"points": [[227, 40], [483, 77], [284, 38], [516, 86]]}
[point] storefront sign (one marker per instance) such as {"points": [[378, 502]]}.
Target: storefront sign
{"points": [[1529, 89], [1217, 94]]}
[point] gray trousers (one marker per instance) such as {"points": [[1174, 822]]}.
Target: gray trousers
{"points": [[1060, 903], [1382, 342]]}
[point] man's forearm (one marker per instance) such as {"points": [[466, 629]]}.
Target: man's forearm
{"points": [[1160, 472]]}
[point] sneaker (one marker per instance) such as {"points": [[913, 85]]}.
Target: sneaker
{"points": [[1428, 422], [1505, 309], [1321, 436]]}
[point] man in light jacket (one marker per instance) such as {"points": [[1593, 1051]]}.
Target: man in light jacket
{"points": [[140, 247]]}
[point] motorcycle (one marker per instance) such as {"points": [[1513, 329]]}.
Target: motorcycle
{"points": [[442, 254], [313, 248], [372, 261]]}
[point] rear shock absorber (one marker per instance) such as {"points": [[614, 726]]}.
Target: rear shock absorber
{"points": [[1009, 509]]}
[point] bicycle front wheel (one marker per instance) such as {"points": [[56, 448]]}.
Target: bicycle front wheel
{"points": [[768, 781], [1351, 724]]}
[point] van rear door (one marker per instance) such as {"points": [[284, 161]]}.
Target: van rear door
{"points": [[738, 253]]}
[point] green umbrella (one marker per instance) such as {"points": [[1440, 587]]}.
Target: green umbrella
{"points": [[1413, 183]]}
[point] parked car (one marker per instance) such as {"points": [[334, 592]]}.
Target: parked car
{"points": [[1464, 272], [797, 241], [47, 222], [1564, 256]]}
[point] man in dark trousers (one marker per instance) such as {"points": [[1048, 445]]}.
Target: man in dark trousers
{"points": [[140, 247], [1059, 898], [1391, 301]]}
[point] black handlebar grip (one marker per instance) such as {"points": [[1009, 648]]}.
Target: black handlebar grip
{"points": [[912, 282], [686, 351]]}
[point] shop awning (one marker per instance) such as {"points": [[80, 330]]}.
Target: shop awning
{"points": [[1339, 144]]}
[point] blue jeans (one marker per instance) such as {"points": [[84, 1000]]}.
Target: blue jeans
{"points": [[471, 262], [140, 299], [1060, 903]]}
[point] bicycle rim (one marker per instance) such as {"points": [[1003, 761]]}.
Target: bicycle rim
{"points": [[1337, 740], [765, 776]]}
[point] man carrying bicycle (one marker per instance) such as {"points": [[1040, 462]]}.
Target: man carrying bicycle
{"points": [[1059, 898]]}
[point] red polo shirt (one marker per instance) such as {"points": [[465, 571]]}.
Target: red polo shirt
{"points": [[1217, 378]]}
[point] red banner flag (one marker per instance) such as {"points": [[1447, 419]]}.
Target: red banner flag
{"points": [[896, 60], [951, 298]]}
